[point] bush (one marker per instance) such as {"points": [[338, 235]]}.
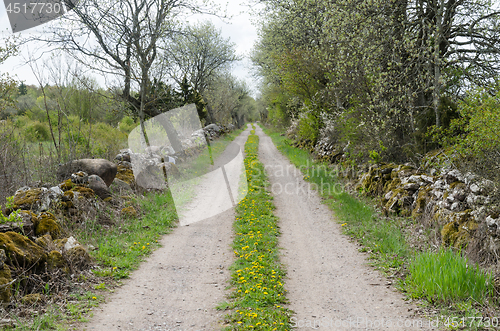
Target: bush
{"points": [[126, 125], [308, 128], [36, 131]]}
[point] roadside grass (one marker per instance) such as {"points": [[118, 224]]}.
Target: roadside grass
{"points": [[444, 279], [256, 275]]}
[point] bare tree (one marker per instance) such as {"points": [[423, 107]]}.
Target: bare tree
{"points": [[121, 38], [199, 54]]}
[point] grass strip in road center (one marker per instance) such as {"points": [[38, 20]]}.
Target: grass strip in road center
{"points": [[258, 292]]}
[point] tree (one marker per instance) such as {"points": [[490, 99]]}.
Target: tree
{"points": [[8, 86], [231, 100], [378, 67], [198, 54], [124, 39]]}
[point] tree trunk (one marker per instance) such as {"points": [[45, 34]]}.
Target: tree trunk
{"points": [[210, 111], [437, 61], [172, 135]]}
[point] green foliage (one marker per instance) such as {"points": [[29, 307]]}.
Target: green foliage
{"points": [[127, 124], [447, 277], [36, 131], [483, 127], [308, 127], [338, 55], [13, 217]]}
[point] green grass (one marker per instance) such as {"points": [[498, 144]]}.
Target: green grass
{"points": [[256, 275], [446, 277], [444, 280]]}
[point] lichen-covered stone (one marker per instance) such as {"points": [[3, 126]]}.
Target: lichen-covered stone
{"points": [[129, 212], [47, 223], [20, 250]]}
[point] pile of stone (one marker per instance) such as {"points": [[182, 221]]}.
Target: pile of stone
{"points": [[152, 168], [457, 202]]}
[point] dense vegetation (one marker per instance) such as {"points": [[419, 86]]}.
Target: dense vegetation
{"points": [[69, 115], [396, 79]]}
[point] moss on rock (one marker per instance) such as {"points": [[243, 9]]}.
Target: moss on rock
{"points": [[47, 223], [458, 232], [31, 299], [84, 191], [21, 250], [55, 261], [420, 203], [125, 174], [25, 199], [45, 242], [129, 212], [67, 185], [5, 278]]}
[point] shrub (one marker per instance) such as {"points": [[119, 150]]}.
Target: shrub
{"points": [[308, 128], [126, 125], [36, 131]]}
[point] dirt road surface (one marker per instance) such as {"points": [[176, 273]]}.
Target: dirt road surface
{"points": [[330, 285]]}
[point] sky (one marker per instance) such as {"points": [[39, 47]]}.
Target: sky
{"points": [[239, 29]]}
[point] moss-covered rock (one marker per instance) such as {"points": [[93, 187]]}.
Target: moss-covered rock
{"points": [[5, 278], [78, 257], [423, 198], [47, 223], [84, 191], [45, 242], [392, 185], [55, 261], [458, 232], [129, 212], [25, 199], [32, 299], [21, 250], [126, 175], [66, 185]]}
